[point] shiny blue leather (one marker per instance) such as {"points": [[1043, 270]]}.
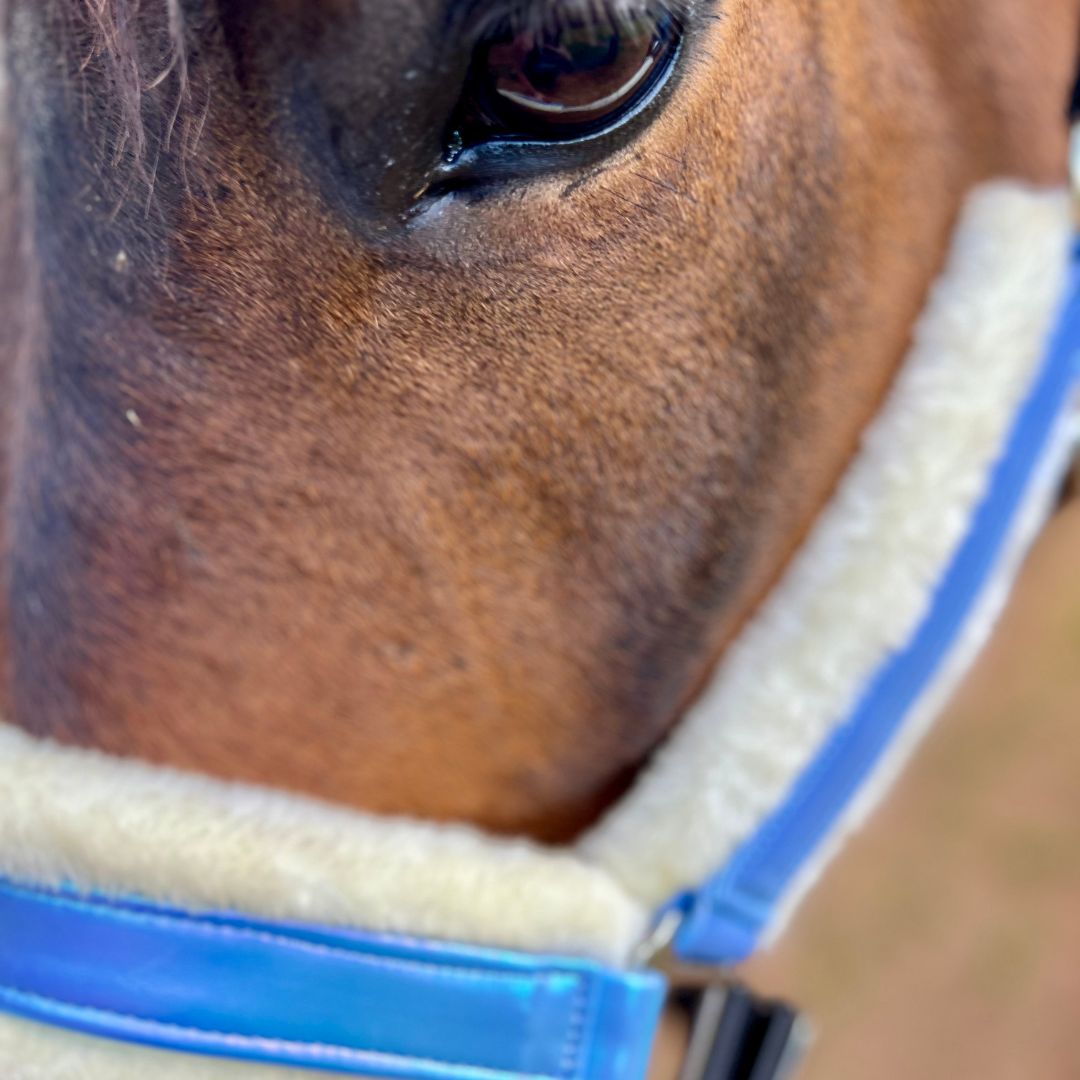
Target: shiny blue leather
{"points": [[724, 920], [335, 1000]]}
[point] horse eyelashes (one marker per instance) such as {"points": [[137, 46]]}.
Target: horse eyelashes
{"points": [[550, 15]]}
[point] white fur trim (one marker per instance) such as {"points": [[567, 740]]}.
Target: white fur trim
{"points": [[862, 582], [122, 826], [1038, 506], [73, 815]]}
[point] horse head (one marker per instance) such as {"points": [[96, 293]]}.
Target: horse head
{"points": [[416, 405], [371, 433]]}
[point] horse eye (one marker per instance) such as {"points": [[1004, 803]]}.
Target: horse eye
{"points": [[578, 76]]}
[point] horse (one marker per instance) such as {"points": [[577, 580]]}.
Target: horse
{"points": [[410, 406]]}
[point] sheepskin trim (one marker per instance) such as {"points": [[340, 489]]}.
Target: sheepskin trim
{"points": [[1038, 506], [77, 816], [863, 580]]}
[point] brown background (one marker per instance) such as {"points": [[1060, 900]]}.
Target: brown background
{"points": [[945, 941]]}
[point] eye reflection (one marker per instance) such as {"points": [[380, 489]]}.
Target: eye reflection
{"points": [[580, 74]]}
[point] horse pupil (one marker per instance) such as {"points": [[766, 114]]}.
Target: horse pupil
{"points": [[544, 66]]}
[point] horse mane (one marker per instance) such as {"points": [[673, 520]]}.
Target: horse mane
{"points": [[139, 47], [131, 52]]}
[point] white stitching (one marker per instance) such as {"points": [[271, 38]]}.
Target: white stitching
{"points": [[573, 1043]]}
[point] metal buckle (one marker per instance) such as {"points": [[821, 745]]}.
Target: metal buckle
{"points": [[734, 1033]]}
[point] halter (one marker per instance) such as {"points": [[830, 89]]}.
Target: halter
{"points": [[323, 996]]}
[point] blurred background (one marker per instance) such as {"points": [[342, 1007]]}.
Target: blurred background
{"points": [[944, 943]]}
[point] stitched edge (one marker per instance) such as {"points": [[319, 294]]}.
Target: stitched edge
{"points": [[582, 1017], [192, 924], [300, 1053]]}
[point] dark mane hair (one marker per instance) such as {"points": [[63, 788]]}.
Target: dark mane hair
{"points": [[138, 47], [130, 56]]}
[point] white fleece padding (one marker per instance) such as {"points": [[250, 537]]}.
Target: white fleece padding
{"points": [[1037, 507], [72, 815], [861, 583], [855, 591]]}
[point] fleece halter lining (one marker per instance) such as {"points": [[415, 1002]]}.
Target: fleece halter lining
{"points": [[808, 716]]}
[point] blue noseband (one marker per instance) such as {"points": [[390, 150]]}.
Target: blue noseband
{"points": [[328, 999]]}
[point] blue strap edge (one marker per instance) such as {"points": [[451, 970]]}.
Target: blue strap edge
{"points": [[342, 1001], [724, 921]]}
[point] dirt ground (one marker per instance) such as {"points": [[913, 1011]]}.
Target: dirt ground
{"points": [[945, 942]]}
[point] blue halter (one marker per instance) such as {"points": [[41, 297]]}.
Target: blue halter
{"points": [[369, 1005]]}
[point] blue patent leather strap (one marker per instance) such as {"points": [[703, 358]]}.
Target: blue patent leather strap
{"points": [[311, 996], [724, 920]]}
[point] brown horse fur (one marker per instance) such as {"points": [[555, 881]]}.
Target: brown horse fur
{"points": [[449, 515]]}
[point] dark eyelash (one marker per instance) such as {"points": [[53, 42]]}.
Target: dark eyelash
{"points": [[484, 18]]}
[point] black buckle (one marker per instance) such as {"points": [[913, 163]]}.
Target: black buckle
{"points": [[735, 1035]]}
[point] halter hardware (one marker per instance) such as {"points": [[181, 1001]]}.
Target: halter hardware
{"points": [[735, 1034]]}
